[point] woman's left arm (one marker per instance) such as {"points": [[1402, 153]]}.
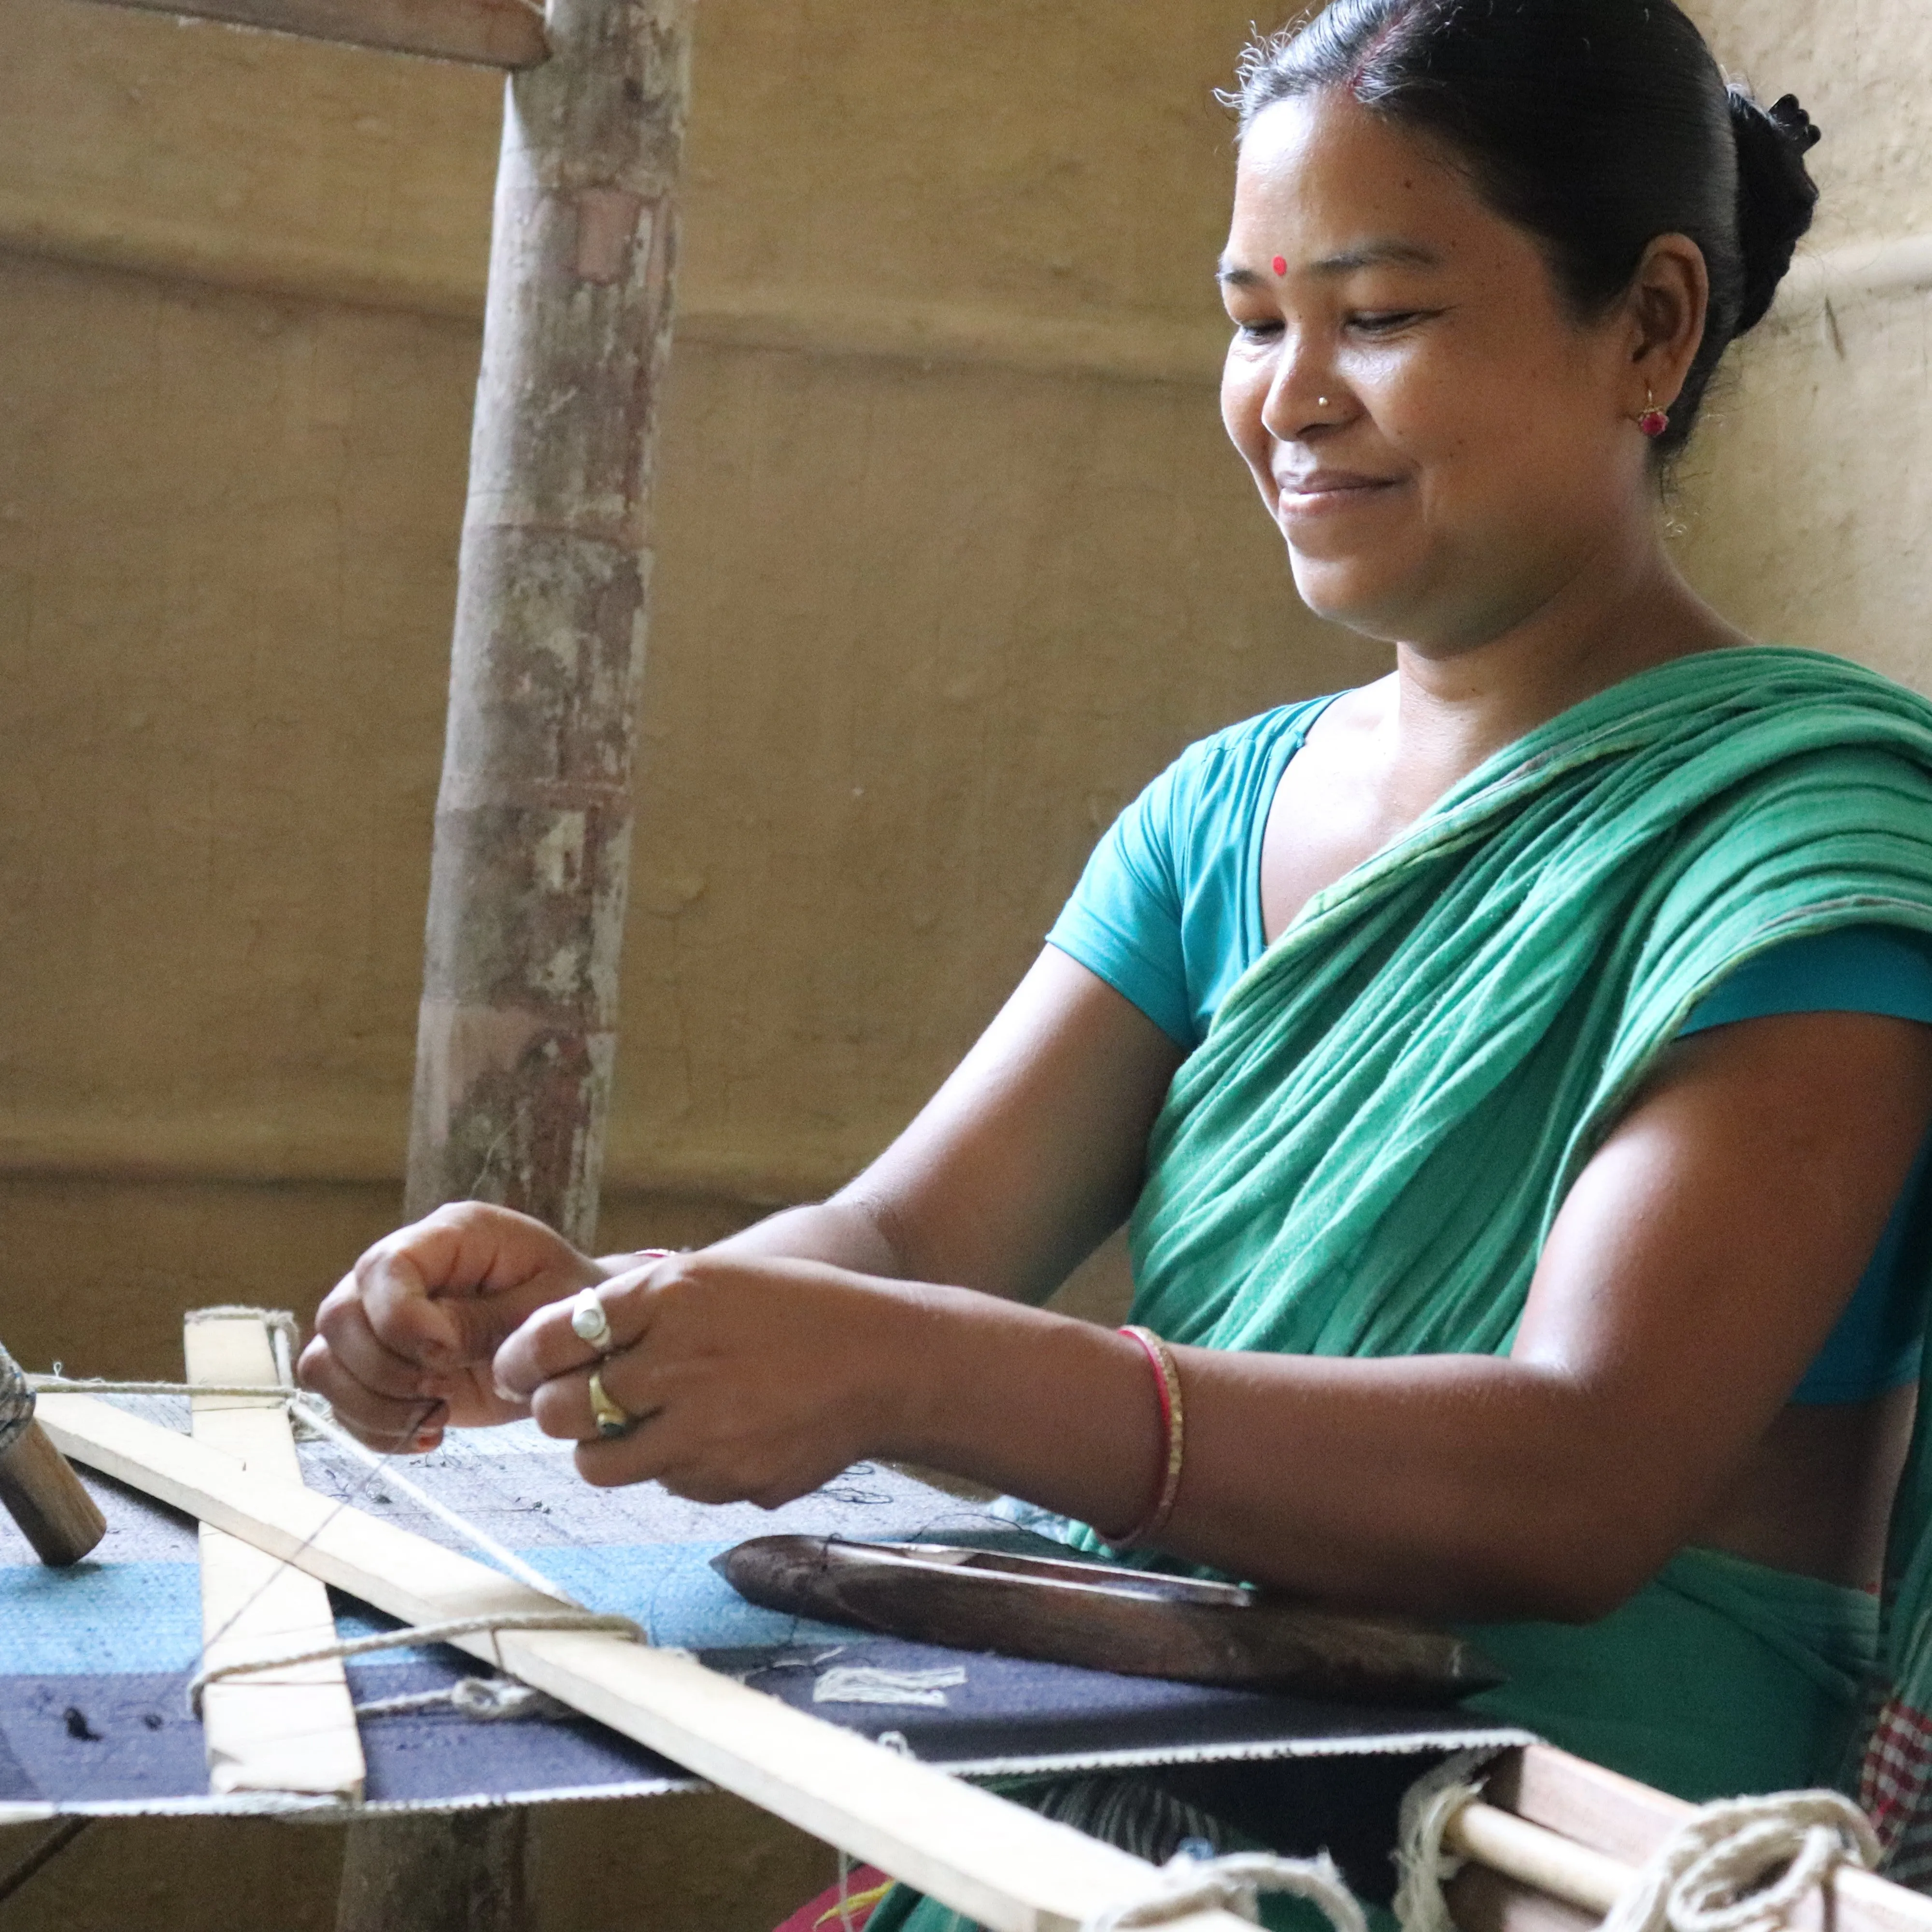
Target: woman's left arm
{"points": [[1696, 1266]]}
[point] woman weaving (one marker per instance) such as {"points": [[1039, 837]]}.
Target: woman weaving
{"points": [[1516, 1071]]}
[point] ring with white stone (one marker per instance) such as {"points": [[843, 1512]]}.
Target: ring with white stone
{"points": [[589, 1322]]}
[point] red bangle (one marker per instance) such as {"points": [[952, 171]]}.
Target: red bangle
{"points": [[1173, 1439]]}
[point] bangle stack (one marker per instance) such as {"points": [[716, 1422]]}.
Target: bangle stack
{"points": [[1173, 1439]]}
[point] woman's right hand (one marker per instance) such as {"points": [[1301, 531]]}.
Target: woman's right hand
{"points": [[403, 1342]]}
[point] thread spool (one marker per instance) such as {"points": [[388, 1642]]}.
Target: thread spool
{"points": [[40, 1491]]}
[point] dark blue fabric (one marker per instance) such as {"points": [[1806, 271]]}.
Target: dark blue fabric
{"points": [[95, 1659]]}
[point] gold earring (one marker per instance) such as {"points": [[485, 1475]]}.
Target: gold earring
{"points": [[1654, 421]]}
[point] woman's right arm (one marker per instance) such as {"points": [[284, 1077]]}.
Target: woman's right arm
{"points": [[1028, 1157]]}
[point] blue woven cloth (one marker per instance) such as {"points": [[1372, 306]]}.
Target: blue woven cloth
{"points": [[95, 1661]]}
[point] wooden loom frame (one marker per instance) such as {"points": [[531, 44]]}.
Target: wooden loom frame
{"points": [[1551, 1846], [981, 1854]]}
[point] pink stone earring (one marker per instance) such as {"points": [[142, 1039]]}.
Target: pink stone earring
{"points": [[1654, 421]]}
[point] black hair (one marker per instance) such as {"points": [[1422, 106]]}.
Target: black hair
{"points": [[1597, 125]]}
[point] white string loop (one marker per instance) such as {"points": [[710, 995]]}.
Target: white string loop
{"points": [[485, 1700], [1423, 1865], [1186, 1884], [1707, 1876], [413, 1634]]}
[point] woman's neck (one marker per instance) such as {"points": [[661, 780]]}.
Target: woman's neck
{"points": [[1444, 713]]}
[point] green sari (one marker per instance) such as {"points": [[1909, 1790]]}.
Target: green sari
{"points": [[1366, 1154]]}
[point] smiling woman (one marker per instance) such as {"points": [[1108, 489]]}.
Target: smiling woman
{"points": [[1518, 1072]]}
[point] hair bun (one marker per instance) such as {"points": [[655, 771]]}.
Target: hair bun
{"points": [[1793, 123], [1776, 194]]}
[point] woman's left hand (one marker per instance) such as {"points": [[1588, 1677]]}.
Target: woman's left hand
{"points": [[752, 1380]]}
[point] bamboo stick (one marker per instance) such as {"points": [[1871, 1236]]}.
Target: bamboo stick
{"points": [[991, 1860], [483, 33], [294, 1731], [1535, 1856]]}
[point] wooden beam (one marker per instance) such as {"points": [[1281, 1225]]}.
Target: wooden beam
{"points": [[1562, 1828], [516, 1036], [991, 1860], [482, 33], [295, 1730]]}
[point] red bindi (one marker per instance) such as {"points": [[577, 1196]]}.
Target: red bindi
{"points": [[1280, 265]]}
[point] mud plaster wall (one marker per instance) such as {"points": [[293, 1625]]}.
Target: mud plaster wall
{"points": [[952, 559]]}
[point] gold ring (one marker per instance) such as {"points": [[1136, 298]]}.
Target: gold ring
{"points": [[612, 1419]]}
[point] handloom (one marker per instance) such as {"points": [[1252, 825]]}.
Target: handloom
{"points": [[1051, 1863], [126, 1642], [1005, 1865]]}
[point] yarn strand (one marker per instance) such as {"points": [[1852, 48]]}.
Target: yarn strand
{"points": [[412, 1635], [1707, 1876], [311, 1413], [1186, 1884]]}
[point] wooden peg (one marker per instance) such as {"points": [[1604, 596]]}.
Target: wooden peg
{"points": [[49, 1502]]}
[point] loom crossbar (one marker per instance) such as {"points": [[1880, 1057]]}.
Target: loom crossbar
{"points": [[507, 33], [1560, 1838], [293, 1730]]}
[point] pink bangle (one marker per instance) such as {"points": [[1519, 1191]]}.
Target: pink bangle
{"points": [[1173, 1439]]}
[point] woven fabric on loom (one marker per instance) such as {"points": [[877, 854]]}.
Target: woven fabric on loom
{"points": [[93, 1661]]}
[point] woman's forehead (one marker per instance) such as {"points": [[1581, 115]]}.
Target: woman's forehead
{"points": [[1338, 186]]}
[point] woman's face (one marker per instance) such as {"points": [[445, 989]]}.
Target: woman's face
{"points": [[1443, 445]]}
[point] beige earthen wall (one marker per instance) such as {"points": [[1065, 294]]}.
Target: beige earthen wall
{"points": [[952, 559]]}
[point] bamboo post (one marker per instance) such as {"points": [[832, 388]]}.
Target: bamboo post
{"points": [[516, 1037]]}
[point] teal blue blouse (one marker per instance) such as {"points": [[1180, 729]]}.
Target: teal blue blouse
{"points": [[1168, 913]]}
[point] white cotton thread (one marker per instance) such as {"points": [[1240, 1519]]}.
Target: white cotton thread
{"points": [[869, 1683], [1701, 1879], [412, 1635], [1422, 1866], [485, 1700], [311, 1412], [1186, 1884]]}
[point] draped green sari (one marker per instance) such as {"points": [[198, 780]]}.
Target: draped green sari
{"points": [[1366, 1154]]}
